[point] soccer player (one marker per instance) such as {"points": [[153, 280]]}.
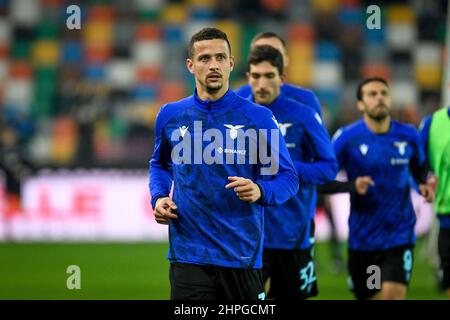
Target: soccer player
{"points": [[308, 98], [379, 154], [222, 179], [299, 94], [287, 258], [435, 134]]}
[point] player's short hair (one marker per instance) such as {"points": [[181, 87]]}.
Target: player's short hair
{"points": [[268, 34], [359, 94], [266, 53], [207, 34]]}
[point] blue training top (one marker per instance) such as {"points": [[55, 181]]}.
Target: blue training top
{"points": [[214, 227], [384, 217], [287, 225]]}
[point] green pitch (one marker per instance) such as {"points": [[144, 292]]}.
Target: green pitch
{"points": [[139, 271]]}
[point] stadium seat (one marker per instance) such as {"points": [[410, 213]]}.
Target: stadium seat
{"points": [[325, 5], [327, 51], [95, 72], [64, 141], [120, 73], [300, 33], [401, 36], [376, 70], [429, 77], [401, 13], [174, 13], [404, 93], [71, 52], [327, 74]]}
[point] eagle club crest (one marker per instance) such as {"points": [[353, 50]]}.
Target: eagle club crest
{"points": [[401, 145], [283, 127], [364, 148], [233, 130], [183, 130]]}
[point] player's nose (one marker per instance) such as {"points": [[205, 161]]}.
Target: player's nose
{"points": [[214, 65]]}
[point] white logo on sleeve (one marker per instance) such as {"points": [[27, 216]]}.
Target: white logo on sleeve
{"points": [[401, 145], [283, 127], [318, 118], [183, 130], [336, 135], [233, 130], [364, 148], [275, 120]]}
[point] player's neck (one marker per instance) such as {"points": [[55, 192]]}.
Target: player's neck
{"points": [[378, 126], [203, 94]]}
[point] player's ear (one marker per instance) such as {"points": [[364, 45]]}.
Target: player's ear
{"points": [[286, 61], [232, 63], [247, 74], [283, 77], [190, 65], [360, 105]]}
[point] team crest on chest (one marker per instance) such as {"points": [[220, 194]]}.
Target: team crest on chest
{"points": [[183, 130], [283, 127], [233, 130], [401, 146], [364, 148]]}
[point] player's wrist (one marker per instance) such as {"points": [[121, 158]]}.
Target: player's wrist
{"points": [[261, 192], [159, 199]]}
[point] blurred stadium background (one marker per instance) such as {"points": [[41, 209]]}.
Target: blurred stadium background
{"points": [[77, 109]]}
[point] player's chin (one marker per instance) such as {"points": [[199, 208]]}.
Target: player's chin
{"points": [[381, 115], [214, 85], [262, 101]]}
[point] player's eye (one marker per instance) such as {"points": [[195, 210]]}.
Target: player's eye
{"points": [[203, 58], [220, 57], [255, 76]]}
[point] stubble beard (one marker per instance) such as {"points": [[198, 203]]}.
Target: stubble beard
{"points": [[214, 89], [378, 117]]}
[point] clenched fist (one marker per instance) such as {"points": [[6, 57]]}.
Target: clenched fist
{"points": [[164, 209], [246, 189]]}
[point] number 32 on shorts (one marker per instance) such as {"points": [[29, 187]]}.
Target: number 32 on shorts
{"points": [[307, 276]]}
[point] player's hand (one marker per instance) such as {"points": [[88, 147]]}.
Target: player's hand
{"points": [[164, 208], [426, 190], [245, 189], [362, 184], [433, 182]]}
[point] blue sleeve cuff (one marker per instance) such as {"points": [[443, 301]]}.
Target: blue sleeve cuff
{"points": [[154, 199], [261, 199], [265, 193]]}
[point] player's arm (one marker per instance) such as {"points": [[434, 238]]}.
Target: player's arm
{"points": [[315, 103], [360, 185], [243, 91], [424, 132], [324, 166], [419, 169], [280, 181], [161, 174]]}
